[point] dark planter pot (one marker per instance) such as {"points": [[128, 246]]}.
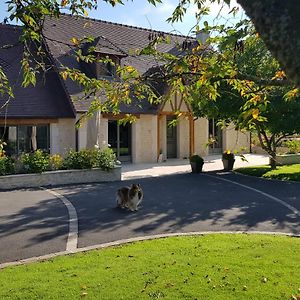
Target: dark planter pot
{"points": [[228, 164], [196, 167]]}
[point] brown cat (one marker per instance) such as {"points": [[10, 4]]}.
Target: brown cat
{"points": [[129, 197]]}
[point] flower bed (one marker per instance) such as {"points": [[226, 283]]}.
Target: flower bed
{"points": [[40, 169], [60, 177]]}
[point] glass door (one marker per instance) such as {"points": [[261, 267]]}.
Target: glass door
{"points": [[119, 137], [171, 139], [215, 137]]}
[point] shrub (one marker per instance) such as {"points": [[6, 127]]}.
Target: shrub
{"points": [[228, 155], [83, 159], [90, 158], [197, 159], [293, 146], [55, 162], [36, 162], [105, 159], [7, 165]]}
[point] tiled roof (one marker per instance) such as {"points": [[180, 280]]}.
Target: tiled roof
{"points": [[47, 99], [59, 32]]}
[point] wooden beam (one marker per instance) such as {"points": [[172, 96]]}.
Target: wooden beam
{"points": [[176, 96], [158, 136], [192, 135], [118, 116], [180, 103], [171, 113], [27, 121]]}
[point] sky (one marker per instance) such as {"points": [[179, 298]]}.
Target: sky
{"points": [[142, 14]]}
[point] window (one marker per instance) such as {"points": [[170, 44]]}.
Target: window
{"points": [[119, 138], [25, 138], [106, 70]]}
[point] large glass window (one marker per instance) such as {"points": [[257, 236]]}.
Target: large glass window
{"points": [[25, 138], [119, 137], [215, 137]]}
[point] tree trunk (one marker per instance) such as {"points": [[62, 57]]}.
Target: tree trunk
{"points": [[278, 23], [273, 161]]}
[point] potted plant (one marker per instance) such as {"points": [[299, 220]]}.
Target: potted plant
{"points": [[228, 160], [197, 163]]}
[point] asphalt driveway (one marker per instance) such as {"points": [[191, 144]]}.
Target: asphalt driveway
{"points": [[37, 223], [32, 223], [181, 203]]}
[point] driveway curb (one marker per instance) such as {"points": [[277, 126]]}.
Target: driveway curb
{"points": [[136, 239]]}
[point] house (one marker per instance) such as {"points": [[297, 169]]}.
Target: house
{"points": [[44, 116]]}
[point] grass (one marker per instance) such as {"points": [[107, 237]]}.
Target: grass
{"points": [[290, 172], [198, 267]]}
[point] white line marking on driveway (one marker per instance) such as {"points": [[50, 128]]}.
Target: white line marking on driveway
{"points": [[72, 240], [290, 207]]}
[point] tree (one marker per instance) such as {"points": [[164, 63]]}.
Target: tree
{"points": [[199, 68], [238, 81], [278, 23]]}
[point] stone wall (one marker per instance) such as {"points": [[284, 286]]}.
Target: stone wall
{"points": [[201, 136], [236, 140], [62, 136], [183, 138], [59, 178], [144, 139]]}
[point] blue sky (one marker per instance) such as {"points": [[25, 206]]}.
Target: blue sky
{"points": [[140, 13]]}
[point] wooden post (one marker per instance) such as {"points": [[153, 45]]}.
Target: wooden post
{"points": [[158, 136], [192, 135]]}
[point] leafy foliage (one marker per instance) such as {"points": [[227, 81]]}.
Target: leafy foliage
{"points": [[293, 146], [231, 76], [197, 159], [90, 158], [228, 155], [55, 162], [6, 165], [36, 162], [105, 159]]}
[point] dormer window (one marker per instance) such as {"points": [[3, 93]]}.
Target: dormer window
{"points": [[108, 59], [107, 69]]}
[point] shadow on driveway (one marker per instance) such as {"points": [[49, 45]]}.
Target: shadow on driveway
{"points": [[32, 223], [177, 203]]}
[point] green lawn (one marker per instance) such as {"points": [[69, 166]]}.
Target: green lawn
{"points": [[291, 172], [199, 267]]}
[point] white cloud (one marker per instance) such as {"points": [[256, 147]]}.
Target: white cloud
{"points": [[165, 8]]}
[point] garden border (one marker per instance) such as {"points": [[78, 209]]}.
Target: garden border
{"points": [[60, 177]]}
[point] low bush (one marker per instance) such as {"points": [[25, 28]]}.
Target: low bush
{"points": [[105, 159], [55, 162], [36, 162], [228, 155], [293, 146], [39, 161], [7, 165], [90, 158], [83, 159]]}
